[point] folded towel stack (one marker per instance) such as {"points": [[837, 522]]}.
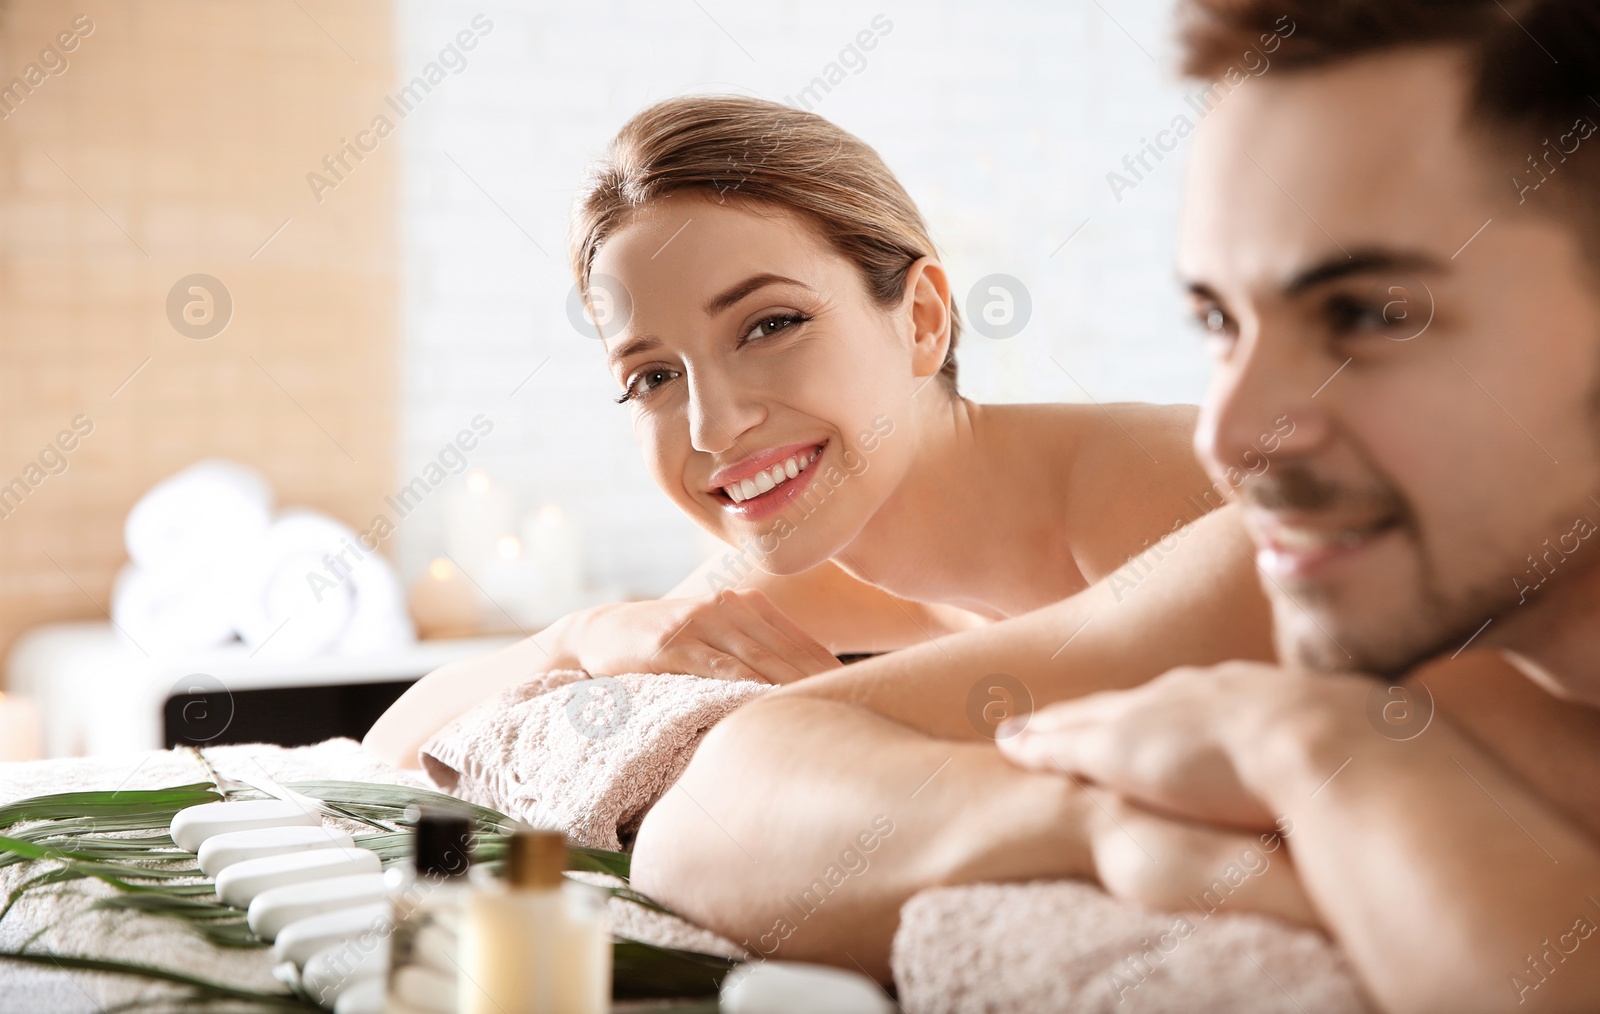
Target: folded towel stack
{"points": [[211, 561]]}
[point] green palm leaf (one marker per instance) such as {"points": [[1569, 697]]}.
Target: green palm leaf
{"points": [[121, 839], [203, 991], [119, 804]]}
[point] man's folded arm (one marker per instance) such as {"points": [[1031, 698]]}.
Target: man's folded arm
{"points": [[1193, 598], [1449, 882]]}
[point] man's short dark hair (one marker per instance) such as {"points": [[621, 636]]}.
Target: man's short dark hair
{"points": [[1534, 69]]}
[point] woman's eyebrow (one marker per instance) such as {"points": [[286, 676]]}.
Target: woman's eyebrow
{"points": [[631, 346], [716, 304]]}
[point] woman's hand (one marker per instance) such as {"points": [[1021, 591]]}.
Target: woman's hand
{"points": [[730, 635]]}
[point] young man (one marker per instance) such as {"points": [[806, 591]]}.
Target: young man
{"points": [[1393, 240]]}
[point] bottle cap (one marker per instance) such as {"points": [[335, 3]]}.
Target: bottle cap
{"points": [[443, 842], [535, 859]]}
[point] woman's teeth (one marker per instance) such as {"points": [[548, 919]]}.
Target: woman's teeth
{"points": [[770, 479]]}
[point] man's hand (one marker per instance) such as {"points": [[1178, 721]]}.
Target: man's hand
{"points": [[1172, 744]]}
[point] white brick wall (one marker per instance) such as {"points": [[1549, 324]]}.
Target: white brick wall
{"points": [[1002, 125]]}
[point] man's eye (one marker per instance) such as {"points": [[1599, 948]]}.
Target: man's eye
{"points": [[1347, 315], [768, 326], [645, 381], [1214, 322]]}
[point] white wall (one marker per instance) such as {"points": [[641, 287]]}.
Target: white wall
{"points": [[1003, 126]]}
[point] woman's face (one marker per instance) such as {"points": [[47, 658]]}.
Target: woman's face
{"points": [[770, 394]]}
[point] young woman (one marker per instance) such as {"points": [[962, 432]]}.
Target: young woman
{"points": [[783, 335]]}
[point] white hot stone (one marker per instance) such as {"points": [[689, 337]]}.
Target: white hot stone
{"points": [[789, 987], [274, 909], [192, 825], [369, 996], [239, 884], [302, 938], [334, 971], [223, 850]]}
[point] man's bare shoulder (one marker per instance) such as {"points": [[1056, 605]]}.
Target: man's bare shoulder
{"points": [[1551, 743]]}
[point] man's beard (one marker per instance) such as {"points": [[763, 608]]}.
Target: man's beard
{"points": [[1438, 619], [1440, 624]]}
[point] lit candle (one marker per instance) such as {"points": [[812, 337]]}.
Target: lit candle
{"points": [[476, 515], [554, 547], [444, 602], [19, 728]]}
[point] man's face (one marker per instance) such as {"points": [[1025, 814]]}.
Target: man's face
{"points": [[1366, 276]]}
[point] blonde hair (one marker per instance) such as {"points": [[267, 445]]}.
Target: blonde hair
{"points": [[728, 146]]}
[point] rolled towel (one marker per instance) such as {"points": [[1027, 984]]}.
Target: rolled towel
{"points": [[172, 610], [200, 519], [312, 588]]}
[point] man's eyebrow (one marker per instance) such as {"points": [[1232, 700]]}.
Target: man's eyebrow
{"points": [[1339, 266], [1360, 262], [632, 346], [716, 304]]}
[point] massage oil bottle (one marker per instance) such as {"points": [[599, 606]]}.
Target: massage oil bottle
{"points": [[533, 942], [427, 903]]}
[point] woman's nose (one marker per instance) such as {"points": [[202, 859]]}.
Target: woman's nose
{"points": [[719, 411]]}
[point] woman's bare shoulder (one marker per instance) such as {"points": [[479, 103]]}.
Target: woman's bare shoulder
{"points": [[1085, 419]]}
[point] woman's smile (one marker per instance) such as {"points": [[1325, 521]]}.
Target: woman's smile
{"points": [[764, 484]]}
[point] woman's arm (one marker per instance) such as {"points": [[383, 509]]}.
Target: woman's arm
{"points": [[802, 826], [762, 630], [846, 614]]}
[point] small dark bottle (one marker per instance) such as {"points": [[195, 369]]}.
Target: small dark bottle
{"points": [[428, 898]]}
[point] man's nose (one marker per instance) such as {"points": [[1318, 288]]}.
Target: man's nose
{"points": [[1269, 398]]}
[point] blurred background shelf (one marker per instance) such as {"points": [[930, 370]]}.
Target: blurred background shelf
{"points": [[98, 694]]}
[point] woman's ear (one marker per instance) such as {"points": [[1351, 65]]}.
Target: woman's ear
{"points": [[928, 289]]}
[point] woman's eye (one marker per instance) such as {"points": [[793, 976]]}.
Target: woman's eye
{"points": [[768, 326], [646, 381]]}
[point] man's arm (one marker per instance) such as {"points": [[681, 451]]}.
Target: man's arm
{"points": [[1477, 874], [1451, 883], [1192, 599]]}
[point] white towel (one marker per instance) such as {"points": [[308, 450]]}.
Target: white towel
{"points": [[200, 519], [169, 611], [311, 588], [188, 537]]}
